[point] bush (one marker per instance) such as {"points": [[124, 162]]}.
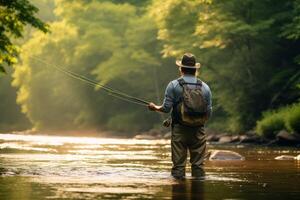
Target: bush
{"points": [[270, 124], [285, 118], [293, 119]]}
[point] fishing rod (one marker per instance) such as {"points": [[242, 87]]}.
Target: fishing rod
{"points": [[109, 90]]}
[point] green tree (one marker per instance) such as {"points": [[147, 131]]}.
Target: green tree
{"points": [[11, 118], [247, 48], [112, 43], [14, 16]]}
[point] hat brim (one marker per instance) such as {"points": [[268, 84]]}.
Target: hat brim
{"points": [[179, 64]]}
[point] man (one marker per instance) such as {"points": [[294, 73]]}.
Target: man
{"points": [[187, 134]]}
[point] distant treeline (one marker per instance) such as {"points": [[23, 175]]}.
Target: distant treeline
{"points": [[249, 50]]}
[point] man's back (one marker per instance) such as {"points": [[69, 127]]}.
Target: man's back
{"points": [[174, 92]]}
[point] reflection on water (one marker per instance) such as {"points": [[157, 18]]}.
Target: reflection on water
{"points": [[38, 167], [188, 189]]}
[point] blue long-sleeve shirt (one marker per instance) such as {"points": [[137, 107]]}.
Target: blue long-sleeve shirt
{"points": [[174, 92]]}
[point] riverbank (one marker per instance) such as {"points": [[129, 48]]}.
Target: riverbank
{"points": [[282, 138]]}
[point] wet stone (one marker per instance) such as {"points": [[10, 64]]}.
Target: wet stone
{"points": [[285, 137], [225, 139], [224, 155], [235, 138], [249, 139], [285, 157], [212, 138]]}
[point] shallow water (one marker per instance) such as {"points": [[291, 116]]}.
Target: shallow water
{"points": [[40, 167]]}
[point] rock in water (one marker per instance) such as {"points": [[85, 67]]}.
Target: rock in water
{"points": [[249, 139], [286, 138], [225, 139], [235, 138], [224, 155], [285, 157], [212, 138]]}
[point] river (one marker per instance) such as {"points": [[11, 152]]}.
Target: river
{"points": [[54, 167]]}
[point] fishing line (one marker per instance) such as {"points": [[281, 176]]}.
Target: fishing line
{"points": [[109, 90]]}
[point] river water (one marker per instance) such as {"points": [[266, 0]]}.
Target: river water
{"points": [[53, 167]]}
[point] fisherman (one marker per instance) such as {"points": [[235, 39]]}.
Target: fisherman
{"points": [[189, 99]]}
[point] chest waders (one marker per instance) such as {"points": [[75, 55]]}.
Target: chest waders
{"points": [[187, 138]]}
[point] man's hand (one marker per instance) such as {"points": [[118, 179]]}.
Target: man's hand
{"points": [[152, 106]]}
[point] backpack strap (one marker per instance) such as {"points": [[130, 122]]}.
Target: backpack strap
{"points": [[199, 82], [181, 82]]}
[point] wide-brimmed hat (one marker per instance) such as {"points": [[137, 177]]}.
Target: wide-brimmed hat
{"points": [[188, 60]]}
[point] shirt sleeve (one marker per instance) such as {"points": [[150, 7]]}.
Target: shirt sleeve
{"points": [[168, 99]]}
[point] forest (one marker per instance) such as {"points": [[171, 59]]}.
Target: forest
{"points": [[249, 51]]}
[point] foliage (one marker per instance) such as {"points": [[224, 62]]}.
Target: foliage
{"points": [[271, 124], [13, 24], [247, 50], [107, 42], [11, 119], [287, 118], [293, 119], [14, 16]]}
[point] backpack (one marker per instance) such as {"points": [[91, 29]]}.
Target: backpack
{"points": [[192, 108]]}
